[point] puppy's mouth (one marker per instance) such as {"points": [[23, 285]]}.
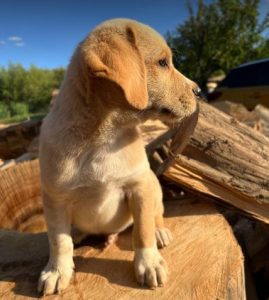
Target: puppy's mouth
{"points": [[161, 113], [166, 111]]}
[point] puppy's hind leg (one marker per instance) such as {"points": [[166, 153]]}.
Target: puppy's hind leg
{"points": [[111, 239], [58, 272], [78, 236]]}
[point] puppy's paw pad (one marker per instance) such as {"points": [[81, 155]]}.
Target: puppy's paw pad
{"points": [[163, 237], [150, 268], [54, 280]]}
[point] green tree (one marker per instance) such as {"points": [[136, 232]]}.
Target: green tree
{"points": [[58, 75], [12, 86], [40, 84], [217, 37], [23, 91]]}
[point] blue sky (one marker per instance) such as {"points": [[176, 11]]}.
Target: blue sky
{"points": [[45, 32]]}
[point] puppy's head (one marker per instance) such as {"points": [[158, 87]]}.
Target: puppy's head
{"points": [[134, 59]]}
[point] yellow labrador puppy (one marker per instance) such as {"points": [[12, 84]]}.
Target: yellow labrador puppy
{"points": [[94, 169]]}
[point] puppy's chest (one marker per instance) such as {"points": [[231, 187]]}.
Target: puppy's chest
{"points": [[104, 166]]}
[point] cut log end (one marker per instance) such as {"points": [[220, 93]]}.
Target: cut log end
{"points": [[204, 259], [20, 198]]}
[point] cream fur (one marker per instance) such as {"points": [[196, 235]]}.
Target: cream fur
{"points": [[94, 170]]}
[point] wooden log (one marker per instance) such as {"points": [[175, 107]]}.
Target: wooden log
{"points": [[257, 118], [15, 139], [205, 262], [20, 198], [227, 160]]}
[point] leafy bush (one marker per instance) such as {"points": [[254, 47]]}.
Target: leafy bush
{"points": [[19, 109], [27, 91], [4, 111]]}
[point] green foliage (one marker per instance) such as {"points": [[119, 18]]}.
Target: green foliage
{"points": [[19, 108], [23, 92], [4, 111], [217, 37]]}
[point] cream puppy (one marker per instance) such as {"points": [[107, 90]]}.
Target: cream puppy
{"points": [[94, 170]]}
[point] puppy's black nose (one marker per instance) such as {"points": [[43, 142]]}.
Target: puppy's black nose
{"points": [[197, 92]]}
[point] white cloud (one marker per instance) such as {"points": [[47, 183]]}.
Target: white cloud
{"points": [[15, 38], [2, 42], [19, 44], [16, 41]]}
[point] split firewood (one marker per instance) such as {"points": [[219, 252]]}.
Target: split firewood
{"points": [[257, 118], [224, 159], [263, 113], [15, 139]]}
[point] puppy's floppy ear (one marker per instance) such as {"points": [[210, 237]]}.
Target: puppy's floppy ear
{"points": [[116, 57]]}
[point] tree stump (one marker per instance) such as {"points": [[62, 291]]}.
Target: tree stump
{"points": [[204, 259]]}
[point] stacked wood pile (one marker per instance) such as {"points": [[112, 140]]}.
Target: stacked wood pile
{"points": [[216, 195], [15, 139]]}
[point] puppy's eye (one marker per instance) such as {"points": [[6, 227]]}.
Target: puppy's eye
{"points": [[163, 63]]}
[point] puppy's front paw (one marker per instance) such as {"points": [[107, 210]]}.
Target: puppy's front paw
{"points": [[163, 237], [54, 279], [150, 267]]}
